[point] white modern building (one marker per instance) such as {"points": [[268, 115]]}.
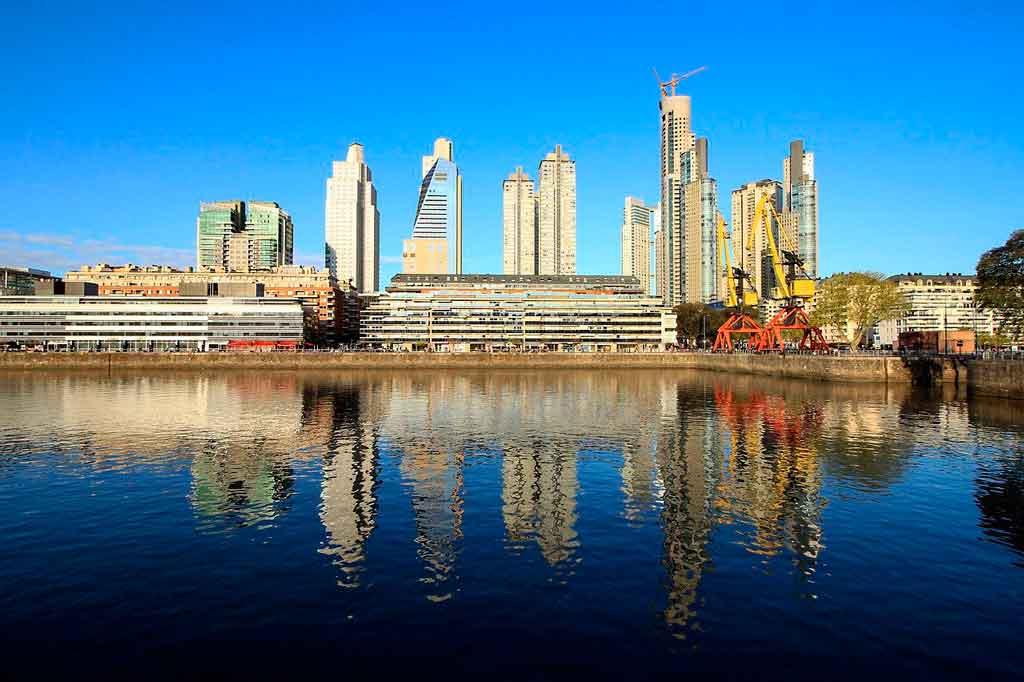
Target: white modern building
{"points": [[148, 323], [519, 224], [352, 223], [436, 244], [937, 303], [459, 313], [556, 215], [637, 219]]}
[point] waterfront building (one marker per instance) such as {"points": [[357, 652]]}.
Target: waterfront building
{"points": [[939, 303], [677, 138], [519, 221], [148, 323], [800, 204], [436, 244], [637, 219], [750, 242], [352, 223], [336, 307], [556, 214], [539, 312], [15, 281], [239, 236]]}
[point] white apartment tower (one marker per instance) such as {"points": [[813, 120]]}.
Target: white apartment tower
{"points": [[676, 140], [519, 218], [749, 241], [556, 215], [352, 223], [800, 203], [636, 241]]}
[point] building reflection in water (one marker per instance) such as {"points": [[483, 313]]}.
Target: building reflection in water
{"points": [[999, 484], [539, 500]]}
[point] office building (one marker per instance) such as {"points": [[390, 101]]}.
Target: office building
{"points": [[16, 281], [749, 241], [800, 204], [149, 323], [637, 219], [689, 210], [436, 244], [519, 221], [237, 236], [516, 312], [556, 215], [352, 223], [335, 307], [937, 303]]}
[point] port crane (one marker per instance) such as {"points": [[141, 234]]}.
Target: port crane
{"points": [[738, 298], [793, 288], [668, 88]]}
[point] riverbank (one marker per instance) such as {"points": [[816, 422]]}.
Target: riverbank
{"points": [[1003, 378]]}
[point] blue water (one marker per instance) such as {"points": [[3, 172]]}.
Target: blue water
{"points": [[516, 524]]}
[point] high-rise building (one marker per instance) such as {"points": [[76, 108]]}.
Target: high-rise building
{"points": [[689, 209], [800, 204], [636, 241], [556, 215], [519, 218], [749, 241], [352, 223], [657, 252], [236, 236], [436, 244]]}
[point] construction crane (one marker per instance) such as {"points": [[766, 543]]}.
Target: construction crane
{"points": [[668, 88], [737, 298], [793, 288]]}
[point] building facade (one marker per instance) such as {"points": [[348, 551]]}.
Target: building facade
{"points": [[516, 312], [519, 224], [239, 236], [800, 205], [335, 308], [352, 223], [556, 215], [677, 139], [21, 281], [637, 219], [148, 323], [749, 241], [939, 303], [436, 244]]}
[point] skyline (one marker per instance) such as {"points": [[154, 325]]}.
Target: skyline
{"points": [[132, 158]]}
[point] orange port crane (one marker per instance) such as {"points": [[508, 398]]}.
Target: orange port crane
{"points": [[668, 88], [739, 322], [793, 288]]}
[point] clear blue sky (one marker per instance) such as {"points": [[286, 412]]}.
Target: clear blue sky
{"points": [[118, 120]]}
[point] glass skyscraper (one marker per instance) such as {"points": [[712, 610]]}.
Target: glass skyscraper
{"points": [[236, 236]]}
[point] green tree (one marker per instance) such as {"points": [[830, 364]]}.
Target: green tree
{"points": [[852, 303], [1001, 283], [693, 320]]}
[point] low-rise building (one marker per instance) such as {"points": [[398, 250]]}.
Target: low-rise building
{"points": [[937, 303], [21, 281], [148, 323], [336, 307], [516, 312]]}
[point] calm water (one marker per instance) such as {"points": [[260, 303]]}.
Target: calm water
{"points": [[605, 523]]}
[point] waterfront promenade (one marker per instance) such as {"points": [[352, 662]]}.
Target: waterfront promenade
{"points": [[1004, 378]]}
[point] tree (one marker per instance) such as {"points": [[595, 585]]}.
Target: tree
{"points": [[852, 303], [693, 320], [1001, 283]]}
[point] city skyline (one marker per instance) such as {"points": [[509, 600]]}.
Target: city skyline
{"points": [[154, 160]]}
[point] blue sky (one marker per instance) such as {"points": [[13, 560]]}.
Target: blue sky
{"points": [[119, 119]]}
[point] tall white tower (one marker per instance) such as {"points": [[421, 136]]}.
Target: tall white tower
{"points": [[556, 219], [636, 241], [352, 223], [519, 220]]}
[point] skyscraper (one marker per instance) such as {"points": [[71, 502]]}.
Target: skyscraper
{"points": [[636, 241], [556, 215], [689, 209], [352, 223], [800, 203], [436, 244], [749, 241], [236, 236], [519, 218]]}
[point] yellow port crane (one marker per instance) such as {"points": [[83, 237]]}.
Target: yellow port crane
{"points": [[737, 297]]}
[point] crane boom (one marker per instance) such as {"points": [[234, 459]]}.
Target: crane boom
{"points": [[726, 264]]}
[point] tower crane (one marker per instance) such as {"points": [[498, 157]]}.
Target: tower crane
{"points": [[668, 88], [737, 297], [793, 288]]}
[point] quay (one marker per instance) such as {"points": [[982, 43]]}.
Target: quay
{"points": [[993, 377]]}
